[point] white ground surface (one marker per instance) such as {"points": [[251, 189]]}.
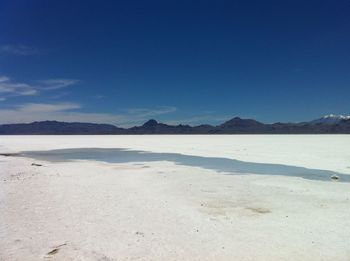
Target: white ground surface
{"points": [[160, 211]]}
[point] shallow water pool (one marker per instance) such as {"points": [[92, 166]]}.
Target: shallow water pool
{"points": [[222, 165]]}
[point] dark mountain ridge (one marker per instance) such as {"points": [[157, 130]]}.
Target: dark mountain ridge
{"points": [[56, 127], [234, 126]]}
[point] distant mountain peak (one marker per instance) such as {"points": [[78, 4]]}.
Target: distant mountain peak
{"points": [[150, 123], [239, 121], [330, 119], [334, 116], [236, 119]]}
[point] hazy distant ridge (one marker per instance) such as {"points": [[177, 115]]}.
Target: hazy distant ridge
{"points": [[331, 124]]}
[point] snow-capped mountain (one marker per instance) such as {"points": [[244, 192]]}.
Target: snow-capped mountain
{"points": [[330, 119]]}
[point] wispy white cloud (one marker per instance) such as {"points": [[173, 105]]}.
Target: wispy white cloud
{"points": [[98, 97], [8, 87], [60, 95], [18, 49], [30, 112], [4, 79], [47, 108], [142, 112], [70, 112], [54, 84]]}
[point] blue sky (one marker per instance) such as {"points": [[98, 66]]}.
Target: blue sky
{"points": [[124, 62]]}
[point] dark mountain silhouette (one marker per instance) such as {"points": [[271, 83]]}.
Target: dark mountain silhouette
{"points": [[154, 127], [233, 126], [238, 125], [55, 127]]}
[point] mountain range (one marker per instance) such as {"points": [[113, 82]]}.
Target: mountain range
{"points": [[329, 124]]}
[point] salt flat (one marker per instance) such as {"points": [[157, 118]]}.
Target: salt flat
{"points": [[92, 210]]}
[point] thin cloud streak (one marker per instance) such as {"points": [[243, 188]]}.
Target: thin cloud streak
{"points": [[60, 95], [54, 84], [69, 112], [43, 107], [147, 112], [18, 50], [8, 87]]}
